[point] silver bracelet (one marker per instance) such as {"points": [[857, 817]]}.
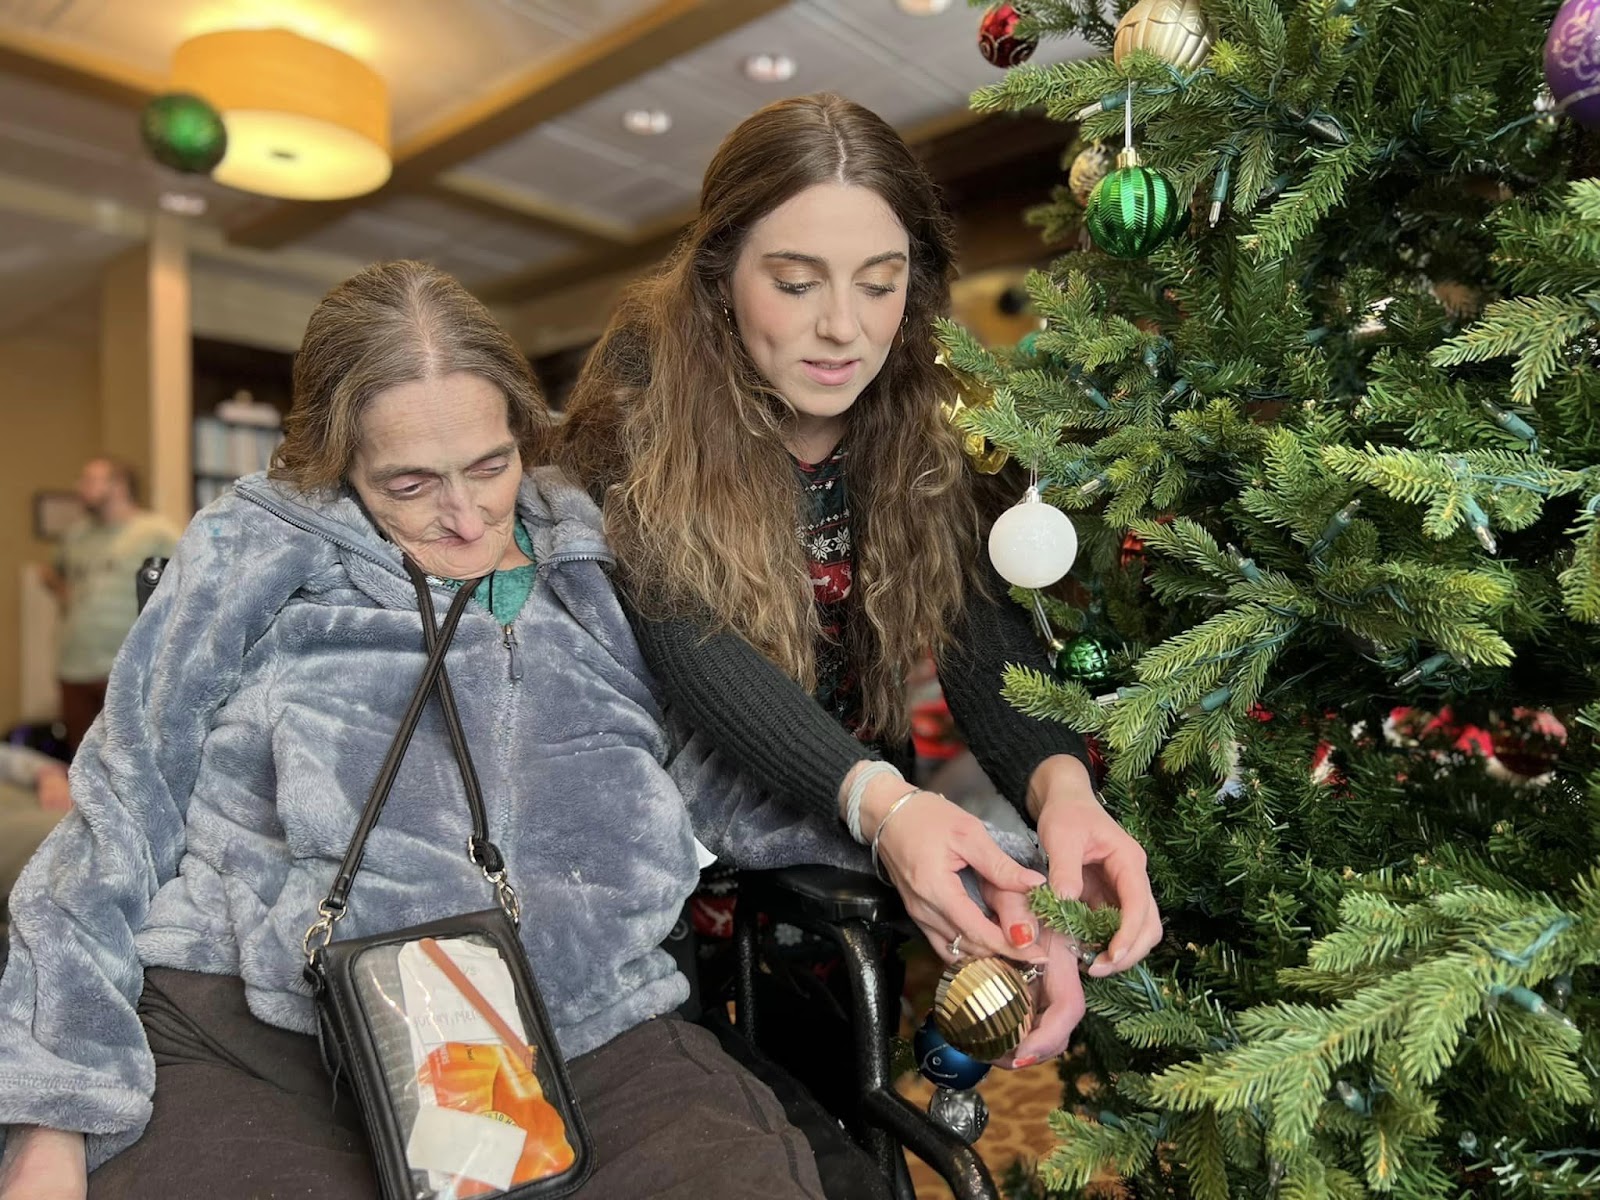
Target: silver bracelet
{"points": [[858, 789], [887, 817]]}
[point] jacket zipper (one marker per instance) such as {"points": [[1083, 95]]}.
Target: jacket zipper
{"points": [[574, 556], [509, 638]]}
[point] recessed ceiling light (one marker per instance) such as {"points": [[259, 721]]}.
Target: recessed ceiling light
{"points": [[769, 68], [923, 8], [646, 122], [185, 204]]}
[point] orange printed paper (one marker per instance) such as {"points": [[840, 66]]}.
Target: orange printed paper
{"points": [[487, 1080]]}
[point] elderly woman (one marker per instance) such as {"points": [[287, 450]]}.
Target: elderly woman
{"points": [[154, 1020]]}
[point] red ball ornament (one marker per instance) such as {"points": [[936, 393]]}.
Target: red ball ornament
{"points": [[1131, 551], [997, 40]]}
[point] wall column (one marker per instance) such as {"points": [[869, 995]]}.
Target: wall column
{"points": [[146, 357]]}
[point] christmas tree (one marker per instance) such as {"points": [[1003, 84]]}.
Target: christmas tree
{"points": [[1329, 434]]}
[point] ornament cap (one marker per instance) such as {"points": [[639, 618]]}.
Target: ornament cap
{"points": [[1128, 157]]}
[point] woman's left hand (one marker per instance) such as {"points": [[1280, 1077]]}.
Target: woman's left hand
{"points": [[1058, 994], [1093, 859]]}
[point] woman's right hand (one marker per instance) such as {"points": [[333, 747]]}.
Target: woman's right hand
{"points": [[924, 848], [43, 1164]]}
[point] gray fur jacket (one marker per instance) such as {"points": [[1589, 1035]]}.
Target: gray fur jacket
{"points": [[245, 721]]}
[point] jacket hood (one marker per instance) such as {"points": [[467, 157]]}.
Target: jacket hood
{"points": [[562, 519]]}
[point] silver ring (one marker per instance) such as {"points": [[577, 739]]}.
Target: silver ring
{"points": [[955, 946]]}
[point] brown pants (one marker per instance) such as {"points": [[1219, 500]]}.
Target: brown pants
{"points": [[246, 1111], [80, 705]]}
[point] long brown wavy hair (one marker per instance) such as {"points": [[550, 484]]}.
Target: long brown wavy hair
{"points": [[683, 441]]}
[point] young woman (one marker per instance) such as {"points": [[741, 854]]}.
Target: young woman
{"points": [[795, 526]]}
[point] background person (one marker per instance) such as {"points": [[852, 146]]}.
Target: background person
{"points": [[94, 579]]}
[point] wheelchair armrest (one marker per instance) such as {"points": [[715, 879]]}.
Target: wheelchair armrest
{"points": [[821, 894]]}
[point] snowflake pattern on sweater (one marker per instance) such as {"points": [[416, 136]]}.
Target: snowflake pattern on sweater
{"points": [[824, 531]]}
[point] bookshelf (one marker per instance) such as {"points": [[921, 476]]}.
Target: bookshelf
{"points": [[241, 394]]}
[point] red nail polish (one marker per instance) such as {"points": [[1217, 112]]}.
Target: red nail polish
{"points": [[1021, 933], [1026, 1061]]}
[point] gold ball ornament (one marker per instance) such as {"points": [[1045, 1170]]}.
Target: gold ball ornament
{"points": [[1175, 30], [1091, 165], [986, 459], [983, 1007]]}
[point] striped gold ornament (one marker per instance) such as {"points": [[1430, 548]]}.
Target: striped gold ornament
{"points": [[983, 1007]]}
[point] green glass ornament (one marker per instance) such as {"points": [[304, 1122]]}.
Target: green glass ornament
{"points": [[183, 132], [1133, 210], [1086, 660]]}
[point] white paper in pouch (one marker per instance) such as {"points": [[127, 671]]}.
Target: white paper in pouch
{"points": [[438, 1012], [457, 1143]]}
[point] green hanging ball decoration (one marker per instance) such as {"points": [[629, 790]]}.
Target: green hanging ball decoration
{"points": [[183, 132], [1086, 660], [1133, 210]]}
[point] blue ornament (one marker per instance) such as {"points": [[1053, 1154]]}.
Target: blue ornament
{"points": [[942, 1064]]}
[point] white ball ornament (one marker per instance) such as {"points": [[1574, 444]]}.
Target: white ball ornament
{"points": [[1033, 543]]}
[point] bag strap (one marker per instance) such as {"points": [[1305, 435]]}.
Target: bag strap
{"points": [[480, 849], [485, 855]]}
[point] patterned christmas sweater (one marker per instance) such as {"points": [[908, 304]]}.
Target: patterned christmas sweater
{"points": [[824, 530]]}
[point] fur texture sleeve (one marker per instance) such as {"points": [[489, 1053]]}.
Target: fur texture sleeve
{"points": [[72, 1052]]}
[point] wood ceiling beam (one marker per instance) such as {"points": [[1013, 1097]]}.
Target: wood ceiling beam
{"points": [[580, 268], [536, 212], [81, 72], [666, 31]]}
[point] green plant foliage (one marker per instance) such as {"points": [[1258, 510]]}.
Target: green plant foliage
{"points": [[1335, 465]]}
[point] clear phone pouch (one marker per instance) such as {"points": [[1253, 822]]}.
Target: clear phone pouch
{"points": [[461, 1068], [461, 1087]]}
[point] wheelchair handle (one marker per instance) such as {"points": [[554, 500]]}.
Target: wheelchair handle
{"points": [[149, 575]]}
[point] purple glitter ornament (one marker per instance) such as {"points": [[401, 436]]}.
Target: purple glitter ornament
{"points": [[1572, 60]]}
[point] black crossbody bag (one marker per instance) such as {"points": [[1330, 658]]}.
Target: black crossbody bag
{"points": [[455, 1066]]}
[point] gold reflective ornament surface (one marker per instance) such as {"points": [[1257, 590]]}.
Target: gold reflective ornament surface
{"points": [[1092, 164], [983, 1007], [1175, 30], [985, 459]]}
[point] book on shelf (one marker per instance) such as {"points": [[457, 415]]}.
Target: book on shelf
{"points": [[238, 440]]}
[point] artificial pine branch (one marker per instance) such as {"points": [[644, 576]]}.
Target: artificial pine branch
{"points": [[1334, 461]]}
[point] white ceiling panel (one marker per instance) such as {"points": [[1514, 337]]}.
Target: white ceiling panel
{"points": [[645, 197], [434, 54], [438, 55], [456, 239], [557, 163], [907, 69]]}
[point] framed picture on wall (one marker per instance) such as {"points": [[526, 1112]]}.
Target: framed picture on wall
{"points": [[54, 513]]}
